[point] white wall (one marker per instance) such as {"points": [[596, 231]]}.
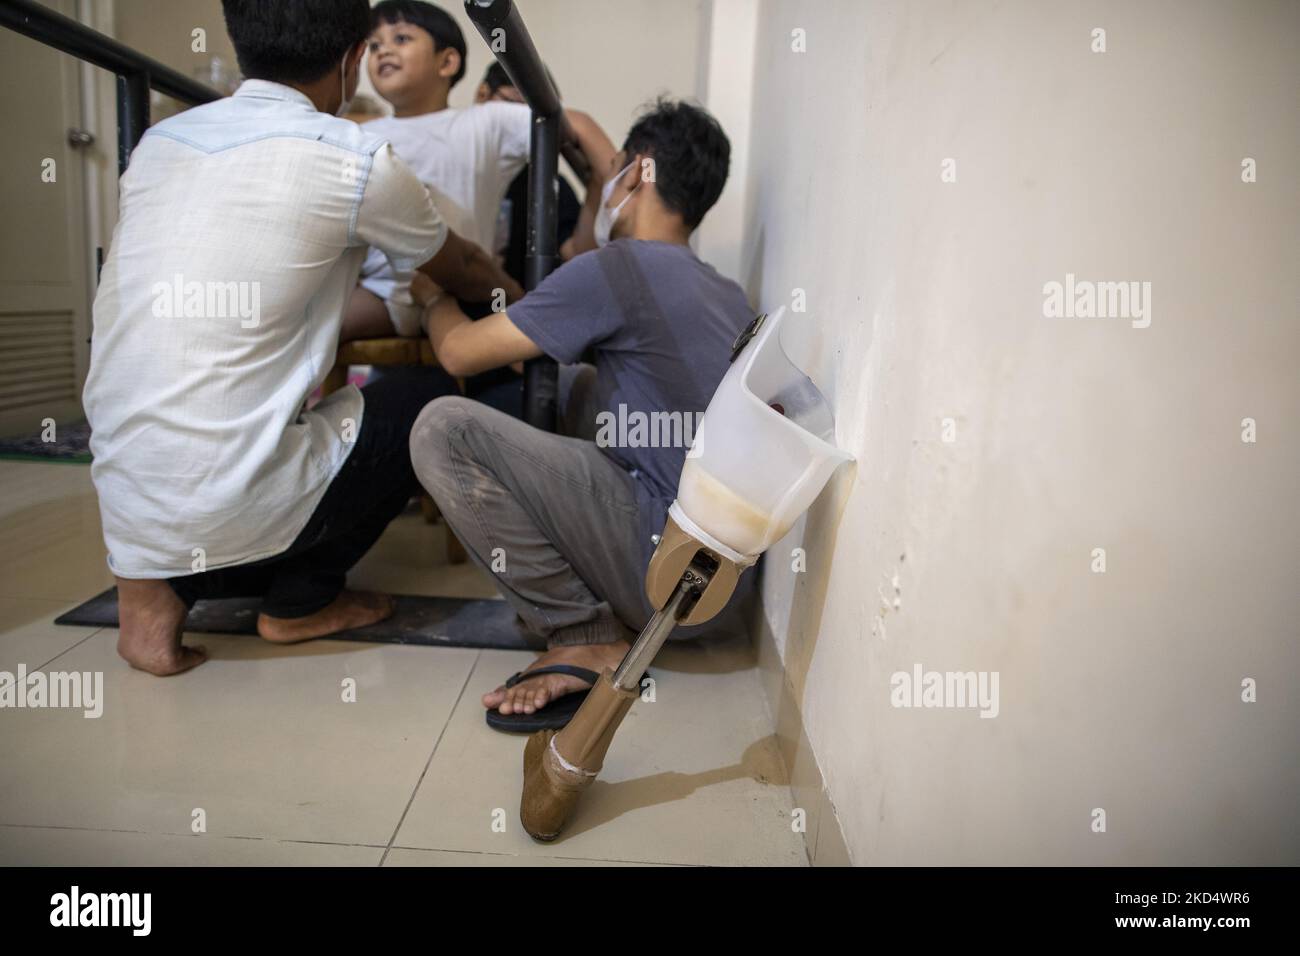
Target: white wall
{"points": [[165, 31], [1119, 690], [728, 34]]}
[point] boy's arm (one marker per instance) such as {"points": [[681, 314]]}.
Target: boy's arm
{"points": [[584, 233], [466, 347], [464, 269], [593, 142], [579, 133], [601, 155]]}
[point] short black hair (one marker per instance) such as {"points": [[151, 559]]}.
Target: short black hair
{"points": [[294, 41], [691, 152], [497, 77], [433, 20]]}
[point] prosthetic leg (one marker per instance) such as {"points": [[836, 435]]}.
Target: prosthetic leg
{"points": [[691, 584], [726, 514]]}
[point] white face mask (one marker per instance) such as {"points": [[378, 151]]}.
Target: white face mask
{"points": [[345, 100], [604, 215]]}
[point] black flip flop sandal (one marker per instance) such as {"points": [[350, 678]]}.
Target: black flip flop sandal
{"points": [[554, 715]]}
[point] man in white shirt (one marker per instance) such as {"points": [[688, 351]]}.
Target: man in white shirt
{"points": [[242, 230]]}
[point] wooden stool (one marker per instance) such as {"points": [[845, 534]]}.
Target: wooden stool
{"points": [[389, 353]]}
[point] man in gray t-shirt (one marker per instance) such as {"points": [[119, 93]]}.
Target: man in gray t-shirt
{"points": [[565, 521], [661, 324]]}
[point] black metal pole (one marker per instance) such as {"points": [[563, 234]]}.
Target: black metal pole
{"points": [[132, 114], [541, 375], [503, 29]]}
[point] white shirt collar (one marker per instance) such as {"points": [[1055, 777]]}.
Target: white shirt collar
{"points": [[269, 90]]}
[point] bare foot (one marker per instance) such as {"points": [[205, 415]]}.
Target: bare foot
{"points": [[349, 610], [151, 617], [529, 696]]}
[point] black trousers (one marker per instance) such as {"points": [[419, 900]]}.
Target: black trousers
{"points": [[369, 491]]}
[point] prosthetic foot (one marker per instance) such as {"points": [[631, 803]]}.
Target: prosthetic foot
{"points": [[558, 766]]}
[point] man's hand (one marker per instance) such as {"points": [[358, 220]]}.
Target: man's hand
{"points": [[462, 268], [424, 291]]}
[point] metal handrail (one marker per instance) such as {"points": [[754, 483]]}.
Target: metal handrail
{"points": [[503, 29], [136, 73]]}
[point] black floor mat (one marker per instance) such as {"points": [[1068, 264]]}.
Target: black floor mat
{"points": [[70, 442], [444, 622]]}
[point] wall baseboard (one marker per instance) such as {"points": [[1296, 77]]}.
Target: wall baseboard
{"points": [[823, 838]]}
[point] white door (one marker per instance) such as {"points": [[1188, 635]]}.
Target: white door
{"points": [[43, 250]]}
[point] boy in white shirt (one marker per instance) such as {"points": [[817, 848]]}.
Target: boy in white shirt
{"points": [[466, 157]]}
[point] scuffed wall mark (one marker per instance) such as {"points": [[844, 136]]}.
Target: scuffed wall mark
{"points": [[886, 600], [890, 594]]}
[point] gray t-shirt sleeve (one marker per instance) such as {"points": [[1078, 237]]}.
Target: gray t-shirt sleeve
{"points": [[573, 309]]}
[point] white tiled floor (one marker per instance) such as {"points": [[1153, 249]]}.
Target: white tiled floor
{"points": [[285, 772]]}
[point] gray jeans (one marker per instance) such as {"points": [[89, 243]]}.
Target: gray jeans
{"points": [[551, 517]]}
